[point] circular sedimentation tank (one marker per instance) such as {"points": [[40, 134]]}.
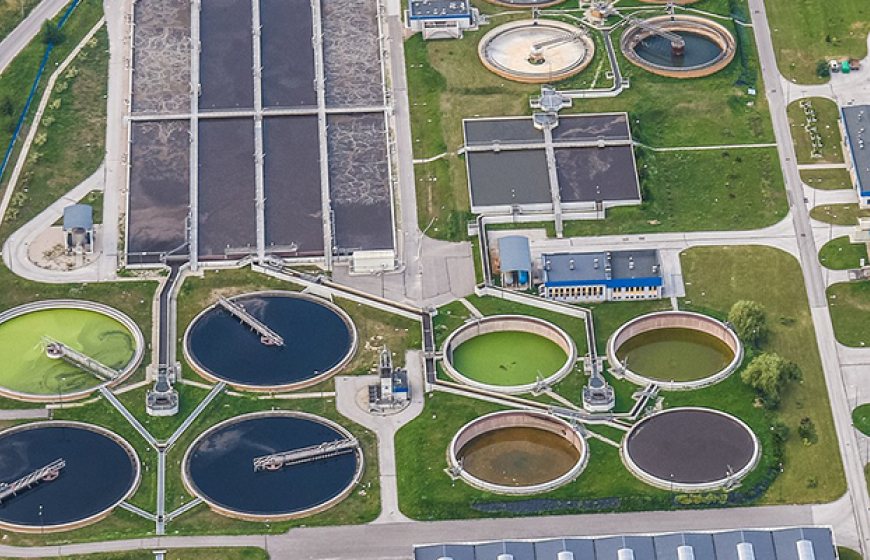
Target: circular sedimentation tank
{"points": [[29, 372], [101, 470], [690, 449], [536, 51], [319, 339], [219, 466], [517, 452], [508, 353], [706, 46], [677, 350]]}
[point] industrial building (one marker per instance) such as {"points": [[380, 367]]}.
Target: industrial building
{"points": [[853, 123], [810, 543], [391, 391], [601, 276], [441, 19], [549, 166], [515, 262]]}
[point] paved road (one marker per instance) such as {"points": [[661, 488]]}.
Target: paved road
{"points": [[21, 36], [394, 541], [813, 278]]}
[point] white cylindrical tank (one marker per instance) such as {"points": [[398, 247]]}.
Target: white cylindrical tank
{"points": [[685, 552], [745, 551], [805, 550], [565, 555], [625, 554]]}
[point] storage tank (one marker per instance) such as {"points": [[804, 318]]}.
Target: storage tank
{"points": [[523, 276]]}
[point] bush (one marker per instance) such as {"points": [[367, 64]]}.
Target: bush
{"points": [[823, 70], [807, 431]]}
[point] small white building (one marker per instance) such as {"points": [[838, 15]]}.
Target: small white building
{"points": [[391, 392], [441, 19]]}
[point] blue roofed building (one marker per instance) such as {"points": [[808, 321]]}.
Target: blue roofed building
{"points": [[601, 276], [441, 19], [854, 121]]}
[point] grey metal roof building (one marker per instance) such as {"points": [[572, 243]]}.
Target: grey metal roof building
{"points": [[809, 543], [611, 267], [514, 253], [855, 121], [78, 216]]}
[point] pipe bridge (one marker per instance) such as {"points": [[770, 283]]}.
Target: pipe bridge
{"points": [[45, 474], [58, 350], [324, 450], [267, 335], [676, 41]]}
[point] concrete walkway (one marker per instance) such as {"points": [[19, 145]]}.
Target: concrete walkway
{"points": [[16, 246], [348, 390], [24, 414]]}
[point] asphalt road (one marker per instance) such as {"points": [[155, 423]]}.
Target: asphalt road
{"points": [[27, 30]]}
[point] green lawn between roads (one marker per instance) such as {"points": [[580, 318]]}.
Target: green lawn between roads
{"points": [[839, 214], [861, 419], [827, 116], [810, 31], [827, 179], [850, 312], [716, 277], [841, 254]]}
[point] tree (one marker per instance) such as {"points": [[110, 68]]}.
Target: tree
{"points": [[807, 431], [823, 70], [52, 34], [749, 321], [768, 374]]}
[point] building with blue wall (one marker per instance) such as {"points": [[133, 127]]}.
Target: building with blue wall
{"points": [[601, 276]]}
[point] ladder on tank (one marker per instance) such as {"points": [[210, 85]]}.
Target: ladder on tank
{"points": [[58, 350], [324, 450], [45, 474], [267, 335]]}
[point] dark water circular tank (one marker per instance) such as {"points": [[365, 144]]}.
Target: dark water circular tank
{"points": [[318, 339], [100, 472], [692, 446], [699, 50], [219, 465]]}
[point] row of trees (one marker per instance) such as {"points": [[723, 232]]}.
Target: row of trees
{"points": [[768, 373]]}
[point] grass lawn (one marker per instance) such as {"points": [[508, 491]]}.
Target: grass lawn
{"points": [[718, 277], [840, 254], [848, 553], [861, 419], [827, 115], [447, 83], [827, 179], [177, 554], [15, 85], [816, 30], [839, 214], [70, 142], [850, 312], [161, 427]]}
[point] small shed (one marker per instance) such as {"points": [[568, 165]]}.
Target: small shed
{"points": [[78, 228], [515, 262]]}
